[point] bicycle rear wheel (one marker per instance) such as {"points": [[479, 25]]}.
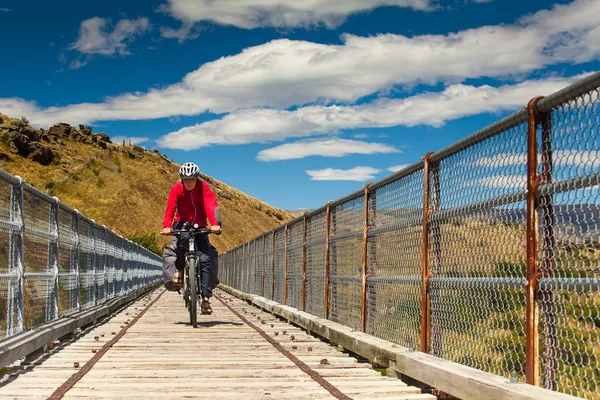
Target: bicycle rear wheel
{"points": [[193, 295]]}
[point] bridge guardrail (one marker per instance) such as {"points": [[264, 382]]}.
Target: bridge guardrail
{"points": [[57, 262], [485, 253]]}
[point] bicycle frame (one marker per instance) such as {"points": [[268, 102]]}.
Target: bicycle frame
{"points": [[190, 286]]}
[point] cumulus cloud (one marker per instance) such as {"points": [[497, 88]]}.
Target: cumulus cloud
{"points": [[76, 64], [187, 31], [94, 38], [331, 147], [396, 168], [432, 108], [283, 73], [127, 139], [354, 174], [251, 14]]}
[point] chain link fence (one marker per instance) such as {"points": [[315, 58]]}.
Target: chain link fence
{"points": [[486, 253], [55, 261]]}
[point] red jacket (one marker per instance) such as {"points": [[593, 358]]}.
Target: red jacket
{"points": [[193, 207]]}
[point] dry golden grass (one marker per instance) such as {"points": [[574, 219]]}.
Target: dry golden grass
{"points": [[129, 195]]}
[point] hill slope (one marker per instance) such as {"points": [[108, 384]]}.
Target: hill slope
{"points": [[123, 187]]}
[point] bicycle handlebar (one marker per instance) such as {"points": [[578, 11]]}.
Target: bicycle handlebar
{"points": [[191, 230]]}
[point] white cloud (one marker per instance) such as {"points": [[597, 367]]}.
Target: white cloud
{"points": [[95, 39], [3, 9], [396, 168], [361, 136], [354, 174], [332, 147], [127, 139], [282, 73], [251, 14], [187, 31], [433, 109], [76, 64]]}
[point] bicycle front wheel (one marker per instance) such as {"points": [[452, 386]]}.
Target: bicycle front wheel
{"points": [[193, 293]]}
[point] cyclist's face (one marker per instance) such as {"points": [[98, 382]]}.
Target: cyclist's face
{"points": [[190, 184]]}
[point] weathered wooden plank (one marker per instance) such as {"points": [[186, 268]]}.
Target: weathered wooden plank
{"points": [[161, 356], [450, 377]]}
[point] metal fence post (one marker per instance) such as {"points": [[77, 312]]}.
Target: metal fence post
{"points": [[363, 294], [20, 214], [327, 254], [53, 227], [76, 256], [285, 280], [425, 273], [304, 262], [532, 308], [273, 266], [263, 268]]}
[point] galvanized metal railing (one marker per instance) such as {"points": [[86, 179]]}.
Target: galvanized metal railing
{"points": [[486, 253], [55, 261]]}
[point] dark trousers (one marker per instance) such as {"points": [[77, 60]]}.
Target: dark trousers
{"points": [[202, 246]]}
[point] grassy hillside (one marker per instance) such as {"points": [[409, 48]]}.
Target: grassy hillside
{"points": [[123, 187]]}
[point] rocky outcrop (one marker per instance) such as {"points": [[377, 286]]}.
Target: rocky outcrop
{"points": [[42, 154]]}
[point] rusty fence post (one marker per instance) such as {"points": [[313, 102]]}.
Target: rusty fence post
{"points": [[285, 279], [273, 266], [532, 317], [263, 268], [363, 297], [304, 265], [251, 262], [327, 254], [425, 274]]}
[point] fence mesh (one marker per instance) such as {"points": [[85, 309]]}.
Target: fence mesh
{"points": [[295, 259], [477, 254], [346, 238], [569, 217], [279, 264], [268, 281], [315, 264], [394, 256]]}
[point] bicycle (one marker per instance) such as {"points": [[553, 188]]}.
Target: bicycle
{"points": [[190, 286]]}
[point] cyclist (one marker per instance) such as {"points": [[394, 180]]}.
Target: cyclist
{"points": [[192, 201]]}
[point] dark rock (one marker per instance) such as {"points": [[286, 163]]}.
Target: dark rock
{"points": [[31, 133], [43, 155], [21, 142], [103, 145], [138, 149], [4, 157], [17, 122], [85, 130], [60, 129], [103, 137], [13, 148]]}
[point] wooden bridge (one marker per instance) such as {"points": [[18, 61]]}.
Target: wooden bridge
{"points": [[149, 349]]}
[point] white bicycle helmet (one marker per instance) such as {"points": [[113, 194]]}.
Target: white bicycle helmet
{"points": [[189, 171]]}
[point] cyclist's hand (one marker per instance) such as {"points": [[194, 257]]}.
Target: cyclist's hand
{"points": [[166, 231], [216, 229]]}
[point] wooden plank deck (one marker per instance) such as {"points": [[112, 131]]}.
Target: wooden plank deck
{"points": [[162, 356]]}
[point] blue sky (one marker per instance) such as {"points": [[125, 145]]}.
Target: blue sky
{"points": [[294, 103]]}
